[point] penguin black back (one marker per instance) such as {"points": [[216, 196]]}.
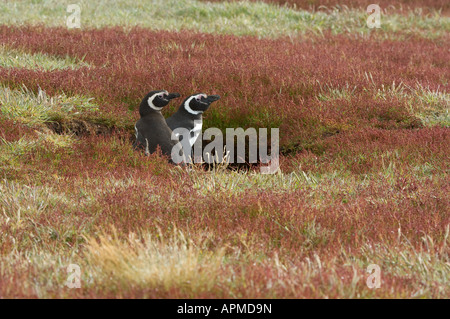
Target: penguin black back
{"points": [[151, 129]]}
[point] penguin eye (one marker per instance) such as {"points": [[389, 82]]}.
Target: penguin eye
{"points": [[197, 98]]}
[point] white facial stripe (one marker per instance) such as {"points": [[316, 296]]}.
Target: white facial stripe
{"points": [[162, 93], [150, 100], [150, 103], [188, 108]]}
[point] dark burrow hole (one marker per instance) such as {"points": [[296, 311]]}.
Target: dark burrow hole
{"points": [[81, 128]]}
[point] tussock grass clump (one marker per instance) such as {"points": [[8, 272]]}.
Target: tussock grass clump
{"points": [[33, 108], [151, 261], [431, 106]]}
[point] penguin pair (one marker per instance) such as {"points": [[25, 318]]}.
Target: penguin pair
{"points": [[152, 130]]}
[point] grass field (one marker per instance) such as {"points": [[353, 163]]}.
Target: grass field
{"points": [[364, 136]]}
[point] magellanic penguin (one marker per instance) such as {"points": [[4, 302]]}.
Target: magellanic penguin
{"points": [[151, 129], [189, 116]]}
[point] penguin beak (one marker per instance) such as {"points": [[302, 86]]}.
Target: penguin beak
{"points": [[173, 96], [206, 100], [212, 98]]}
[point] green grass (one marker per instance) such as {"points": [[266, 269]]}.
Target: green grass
{"points": [[427, 265], [430, 106], [238, 18], [12, 58], [36, 108], [11, 153]]}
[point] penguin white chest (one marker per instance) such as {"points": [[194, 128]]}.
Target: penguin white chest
{"points": [[195, 132]]}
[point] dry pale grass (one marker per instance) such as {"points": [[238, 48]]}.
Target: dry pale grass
{"points": [[150, 261], [33, 108]]}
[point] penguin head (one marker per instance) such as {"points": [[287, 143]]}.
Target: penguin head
{"points": [[198, 103], [155, 101]]}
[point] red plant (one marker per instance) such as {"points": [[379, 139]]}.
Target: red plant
{"points": [[263, 83]]}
